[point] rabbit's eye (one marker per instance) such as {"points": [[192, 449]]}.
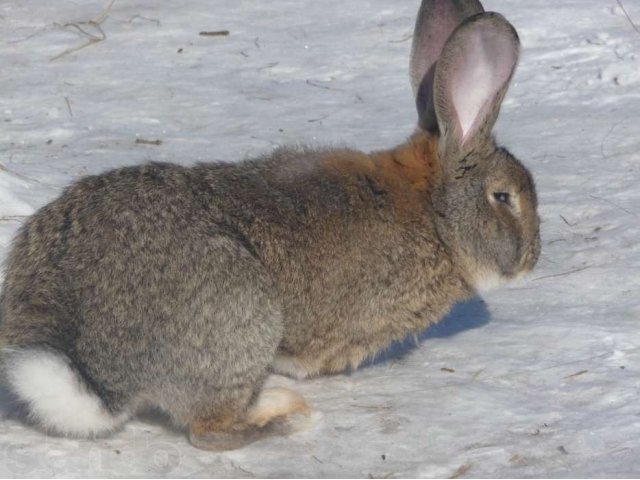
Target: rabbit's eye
{"points": [[502, 197]]}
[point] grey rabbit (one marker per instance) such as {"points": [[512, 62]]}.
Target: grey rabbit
{"points": [[185, 287]]}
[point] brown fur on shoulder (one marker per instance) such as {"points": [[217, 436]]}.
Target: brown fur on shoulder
{"points": [[406, 172], [411, 165]]}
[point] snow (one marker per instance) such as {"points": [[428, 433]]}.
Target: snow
{"points": [[540, 378]]}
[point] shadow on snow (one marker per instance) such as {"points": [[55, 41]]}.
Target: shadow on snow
{"points": [[463, 316]]}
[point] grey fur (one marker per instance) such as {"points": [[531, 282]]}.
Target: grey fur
{"points": [[179, 286]]}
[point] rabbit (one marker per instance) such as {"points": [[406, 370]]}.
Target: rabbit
{"points": [[184, 288]]}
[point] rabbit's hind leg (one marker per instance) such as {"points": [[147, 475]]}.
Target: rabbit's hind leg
{"points": [[276, 405], [245, 419]]}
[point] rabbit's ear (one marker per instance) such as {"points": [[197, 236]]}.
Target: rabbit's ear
{"points": [[472, 77], [437, 19]]}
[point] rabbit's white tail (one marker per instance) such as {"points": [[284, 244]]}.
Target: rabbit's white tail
{"points": [[55, 394]]}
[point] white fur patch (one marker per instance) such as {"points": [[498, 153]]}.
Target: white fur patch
{"points": [[58, 399], [275, 403], [289, 366], [488, 280]]}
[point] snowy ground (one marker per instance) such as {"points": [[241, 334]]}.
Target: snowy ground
{"points": [[540, 379]]}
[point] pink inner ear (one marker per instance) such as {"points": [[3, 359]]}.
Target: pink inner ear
{"points": [[477, 77]]}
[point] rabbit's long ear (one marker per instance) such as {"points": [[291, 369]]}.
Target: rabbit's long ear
{"points": [[437, 19], [472, 77]]}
